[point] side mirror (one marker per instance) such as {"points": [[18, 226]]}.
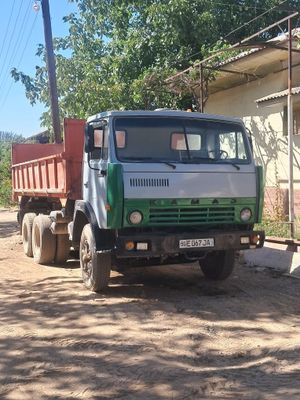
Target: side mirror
{"points": [[249, 134], [251, 143], [89, 138]]}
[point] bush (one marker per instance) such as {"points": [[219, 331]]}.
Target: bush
{"points": [[275, 227], [6, 139]]}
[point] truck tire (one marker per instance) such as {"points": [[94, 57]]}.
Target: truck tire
{"points": [[62, 249], [20, 217], [95, 267], [218, 265], [43, 241], [27, 224]]}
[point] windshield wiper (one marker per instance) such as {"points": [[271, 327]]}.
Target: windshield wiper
{"points": [[196, 160], [226, 161], [233, 164], [141, 159]]}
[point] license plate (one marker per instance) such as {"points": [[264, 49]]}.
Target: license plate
{"points": [[194, 243]]}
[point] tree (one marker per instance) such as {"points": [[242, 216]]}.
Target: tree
{"points": [[6, 139], [122, 51]]}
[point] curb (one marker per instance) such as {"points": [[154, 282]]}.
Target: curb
{"points": [[274, 256]]}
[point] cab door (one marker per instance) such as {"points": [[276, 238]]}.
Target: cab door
{"points": [[95, 176]]}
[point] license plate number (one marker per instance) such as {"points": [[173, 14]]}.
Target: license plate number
{"points": [[194, 243]]}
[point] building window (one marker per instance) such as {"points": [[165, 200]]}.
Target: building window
{"points": [[296, 117]]}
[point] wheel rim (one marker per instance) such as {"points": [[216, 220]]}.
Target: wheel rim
{"points": [[86, 259]]}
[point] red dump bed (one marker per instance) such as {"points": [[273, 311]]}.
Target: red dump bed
{"points": [[50, 170]]}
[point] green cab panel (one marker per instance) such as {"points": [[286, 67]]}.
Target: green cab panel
{"points": [[115, 196], [260, 191], [170, 212]]}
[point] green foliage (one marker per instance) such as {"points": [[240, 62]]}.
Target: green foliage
{"points": [[275, 228], [6, 139], [118, 53]]}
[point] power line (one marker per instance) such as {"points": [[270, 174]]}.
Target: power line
{"points": [[17, 43], [240, 6], [240, 27], [20, 59], [27, 40], [254, 19], [7, 27], [11, 38]]}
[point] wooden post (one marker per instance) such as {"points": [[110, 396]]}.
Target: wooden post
{"points": [[201, 89]]}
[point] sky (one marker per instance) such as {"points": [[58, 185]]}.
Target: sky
{"points": [[21, 30]]}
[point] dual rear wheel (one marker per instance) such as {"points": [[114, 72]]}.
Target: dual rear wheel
{"points": [[26, 230], [40, 243], [46, 248]]}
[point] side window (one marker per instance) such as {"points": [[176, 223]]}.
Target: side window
{"points": [[227, 144], [101, 141], [296, 117], [232, 144], [241, 150]]}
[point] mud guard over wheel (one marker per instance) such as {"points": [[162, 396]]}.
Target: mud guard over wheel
{"points": [[43, 241], [218, 265], [95, 267]]}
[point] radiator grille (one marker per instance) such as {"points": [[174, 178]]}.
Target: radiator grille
{"points": [[193, 215], [149, 182]]}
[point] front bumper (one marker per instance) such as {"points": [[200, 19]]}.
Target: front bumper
{"points": [[161, 244]]}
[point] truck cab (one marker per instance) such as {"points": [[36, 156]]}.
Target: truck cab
{"points": [[165, 186]]}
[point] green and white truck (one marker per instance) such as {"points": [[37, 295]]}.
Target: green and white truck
{"points": [[141, 188]]}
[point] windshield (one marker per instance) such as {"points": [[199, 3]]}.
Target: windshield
{"points": [[161, 139]]}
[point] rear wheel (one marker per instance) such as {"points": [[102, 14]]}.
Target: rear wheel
{"points": [[27, 224], [95, 267], [218, 265], [62, 249], [43, 241], [20, 217]]}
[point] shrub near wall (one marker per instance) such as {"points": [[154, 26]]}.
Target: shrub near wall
{"points": [[6, 139]]}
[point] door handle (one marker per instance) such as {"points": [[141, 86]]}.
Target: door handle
{"points": [[86, 184]]}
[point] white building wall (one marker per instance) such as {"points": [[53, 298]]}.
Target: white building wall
{"points": [[264, 121]]}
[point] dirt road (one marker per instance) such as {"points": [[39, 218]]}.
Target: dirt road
{"points": [[157, 333]]}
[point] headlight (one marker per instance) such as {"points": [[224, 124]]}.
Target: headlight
{"points": [[246, 214], [135, 217]]}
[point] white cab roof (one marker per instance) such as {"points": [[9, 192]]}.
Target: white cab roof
{"points": [[165, 113]]}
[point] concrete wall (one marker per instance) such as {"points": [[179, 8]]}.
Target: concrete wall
{"points": [[266, 122]]}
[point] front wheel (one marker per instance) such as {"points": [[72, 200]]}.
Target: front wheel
{"points": [[95, 267], [218, 265]]}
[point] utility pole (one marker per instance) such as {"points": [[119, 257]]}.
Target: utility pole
{"points": [[290, 132], [51, 71]]}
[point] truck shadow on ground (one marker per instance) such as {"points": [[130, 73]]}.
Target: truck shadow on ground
{"points": [[149, 336], [8, 229]]}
